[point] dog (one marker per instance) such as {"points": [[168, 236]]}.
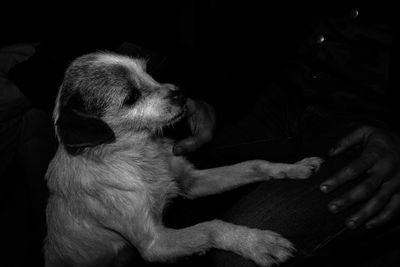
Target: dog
{"points": [[114, 172]]}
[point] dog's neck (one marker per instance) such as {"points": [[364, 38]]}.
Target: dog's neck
{"points": [[137, 141]]}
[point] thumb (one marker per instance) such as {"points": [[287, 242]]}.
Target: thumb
{"points": [[356, 137], [186, 145]]}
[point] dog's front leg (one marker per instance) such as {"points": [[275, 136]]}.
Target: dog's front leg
{"points": [[263, 247], [212, 181]]}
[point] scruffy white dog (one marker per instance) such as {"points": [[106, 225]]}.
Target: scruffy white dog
{"points": [[114, 172]]}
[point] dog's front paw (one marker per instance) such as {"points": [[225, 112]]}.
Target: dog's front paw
{"points": [[266, 248], [304, 168]]}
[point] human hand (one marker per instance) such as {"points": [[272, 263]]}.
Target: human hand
{"points": [[380, 159], [201, 118]]}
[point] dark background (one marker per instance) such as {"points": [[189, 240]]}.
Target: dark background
{"points": [[207, 45], [212, 46]]}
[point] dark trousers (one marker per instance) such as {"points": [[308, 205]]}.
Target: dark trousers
{"points": [[277, 129]]}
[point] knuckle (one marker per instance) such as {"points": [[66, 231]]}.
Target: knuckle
{"points": [[344, 201], [361, 216], [365, 162], [369, 186], [365, 214], [195, 143], [343, 142], [370, 208], [375, 202], [391, 163], [189, 143], [348, 199], [354, 196], [396, 198], [371, 155], [379, 200], [389, 187], [385, 216], [348, 172], [386, 163]]}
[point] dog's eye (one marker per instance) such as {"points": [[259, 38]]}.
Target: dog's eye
{"points": [[132, 97]]}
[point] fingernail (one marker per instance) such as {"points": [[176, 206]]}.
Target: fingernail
{"points": [[351, 224], [333, 208], [324, 188]]}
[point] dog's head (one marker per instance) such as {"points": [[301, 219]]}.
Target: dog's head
{"points": [[105, 95]]}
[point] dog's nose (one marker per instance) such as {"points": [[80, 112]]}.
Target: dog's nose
{"points": [[177, 97]]}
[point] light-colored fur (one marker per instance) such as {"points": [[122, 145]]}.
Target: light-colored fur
{"points": [[112, 195]]}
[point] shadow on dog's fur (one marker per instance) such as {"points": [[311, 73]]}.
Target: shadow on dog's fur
{"points": [[114, 172]]}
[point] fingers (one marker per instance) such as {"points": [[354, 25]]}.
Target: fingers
{"points": [[385, 203], [352, 139], [359, 193], [380, 189], [202, 133], [373, 206], [389, 212], [201, 119], [185, 146], [352, 171], [191, 106], [192, 143]]}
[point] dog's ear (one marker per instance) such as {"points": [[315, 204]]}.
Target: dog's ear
{"points": [[78, 130]]}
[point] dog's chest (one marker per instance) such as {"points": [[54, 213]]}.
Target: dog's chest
{"points": [[161, 183], [158, 176]]}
